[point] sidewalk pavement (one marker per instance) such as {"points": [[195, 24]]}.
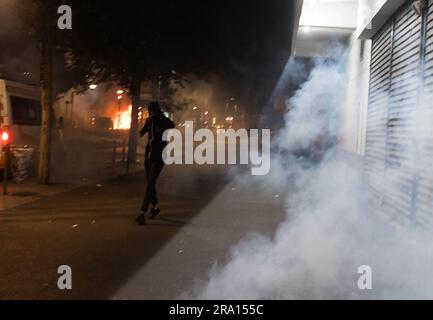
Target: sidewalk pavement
{"points": [[29, 191], [19, 194]]}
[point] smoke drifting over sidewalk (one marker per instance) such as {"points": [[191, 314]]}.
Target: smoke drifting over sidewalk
{"points": [[331, 227]]}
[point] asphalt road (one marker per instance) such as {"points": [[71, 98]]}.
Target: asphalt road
{"points": [[205, 211]]}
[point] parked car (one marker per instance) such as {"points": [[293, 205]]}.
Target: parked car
{"points": [[102, 123]]}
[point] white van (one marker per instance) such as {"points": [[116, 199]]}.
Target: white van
{"points": [[20, 115]]}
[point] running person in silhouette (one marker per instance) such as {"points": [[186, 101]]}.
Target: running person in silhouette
{"points": [[155, 126]]}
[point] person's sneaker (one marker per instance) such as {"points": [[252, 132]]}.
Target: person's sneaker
{"points": [[141, 219], [154, 212]]}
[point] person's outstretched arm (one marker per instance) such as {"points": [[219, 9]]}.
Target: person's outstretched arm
{"points": [[146, 127]]}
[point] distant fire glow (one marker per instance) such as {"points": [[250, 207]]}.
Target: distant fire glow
{"points": [[122, 121]]}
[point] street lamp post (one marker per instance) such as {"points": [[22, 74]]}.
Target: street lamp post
{"points": [[119, 105], [67, 110], [72, 107]]}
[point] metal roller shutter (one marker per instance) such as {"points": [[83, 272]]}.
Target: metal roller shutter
{"points": [[403, 101], [424, 165], [391, 148], [377, 111]]}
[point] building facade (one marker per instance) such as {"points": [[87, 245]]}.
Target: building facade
{"points": [[387, 117]]}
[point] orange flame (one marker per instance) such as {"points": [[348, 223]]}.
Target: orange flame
{"points": [[123, 120]]}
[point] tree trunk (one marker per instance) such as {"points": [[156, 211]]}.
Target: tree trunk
{"points": [[133, 132], [46, 105]]}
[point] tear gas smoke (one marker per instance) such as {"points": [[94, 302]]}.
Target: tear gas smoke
{"points": [[331, 228], [194, 92]]}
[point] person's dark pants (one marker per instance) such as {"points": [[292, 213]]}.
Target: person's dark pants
{"points": [[153, 170]]}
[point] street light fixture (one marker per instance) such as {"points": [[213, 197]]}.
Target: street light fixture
{"points": [[93, 86]]}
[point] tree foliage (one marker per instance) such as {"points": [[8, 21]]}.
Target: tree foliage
{"points": [[131, 42]]}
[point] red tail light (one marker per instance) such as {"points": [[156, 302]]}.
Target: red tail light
{"points": [[5, 137]]}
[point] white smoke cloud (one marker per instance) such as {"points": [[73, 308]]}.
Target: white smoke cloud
{"points": [[331, 228]]}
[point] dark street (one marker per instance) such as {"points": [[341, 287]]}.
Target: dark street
{"points": [[92, 230]]}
